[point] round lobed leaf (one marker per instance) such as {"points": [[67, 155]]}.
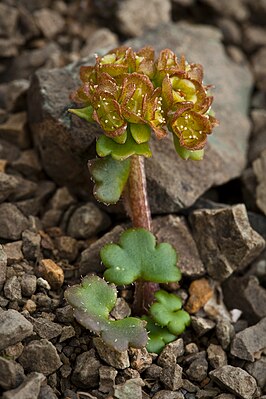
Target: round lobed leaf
{"points": [[110, 177], [158, 336], [166, 311], [138, 257], [92, 301]]}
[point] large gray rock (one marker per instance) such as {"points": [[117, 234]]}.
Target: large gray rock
{"points": [[11, 374], [12, 222], [13, 328], [30, 388], [225, 239], [235, 380], [251, 342], [40, 356], [172, 183], [245, 293]]}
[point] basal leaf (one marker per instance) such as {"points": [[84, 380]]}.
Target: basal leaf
{"points": [[126, 332], [84, 113], [92, 301], [158, 336], [106, 146], [138, 257], [110, 177], [167, 312]]}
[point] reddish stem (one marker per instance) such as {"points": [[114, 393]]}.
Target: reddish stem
{"points": [[139, 211]]}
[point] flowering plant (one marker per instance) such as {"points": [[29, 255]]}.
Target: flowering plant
{"points": [[132, 95]]}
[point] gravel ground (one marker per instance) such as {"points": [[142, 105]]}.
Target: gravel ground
{"points": [[51, 229]]}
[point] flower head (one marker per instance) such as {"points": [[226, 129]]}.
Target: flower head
{"points": [[126, 88]]}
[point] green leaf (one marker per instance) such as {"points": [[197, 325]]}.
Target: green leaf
{"points": [[140, 133], [110, 177], [92, 301], [107, 146], [84, 113], [158, 336], [138, 257], [184, 153], [166, 311]]}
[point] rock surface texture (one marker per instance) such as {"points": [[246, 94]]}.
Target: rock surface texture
{"points": [[225, 239], [172, 183]]}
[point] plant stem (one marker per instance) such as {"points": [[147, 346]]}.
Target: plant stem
{"points": [[138, 204], [138, 208]]}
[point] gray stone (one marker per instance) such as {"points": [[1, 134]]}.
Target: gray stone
{"points": [[107, 379], [67, 247], [216, 356], [11, 374], [67, 332], [12, 289], [28, 164], [40, 356], [3, 266], [231, 31], [175, 231], [121, 309], [86, 371], [224, 332], [28, 284], [225, 239], [133, 23], [46, 328], [254, 37], [201, 325], [8, 20], [12, 222], [140, 359], [198, 369], [15, 130], [86, 221], [259, 68], [46, 392], [119, 360], [101, 38], [8, 151], [13, 94], [25, 190], [257, 370], [258, 140], [129, 389], [8, 184], [170, 353], [236, 9], [49, 22], [13, 328], [13, 252], [172, 183], [235, 380], [65, 314], [164, 394], [153, 372], [29, 389], [171, 377], [249, 343], [90, 260], [259, 169], [226, 396], [246, 294]]}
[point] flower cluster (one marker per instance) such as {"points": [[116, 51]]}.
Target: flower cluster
{"points": [[127, 89]]}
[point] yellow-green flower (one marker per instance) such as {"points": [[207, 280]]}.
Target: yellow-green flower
{"points": [[127, 88]]}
